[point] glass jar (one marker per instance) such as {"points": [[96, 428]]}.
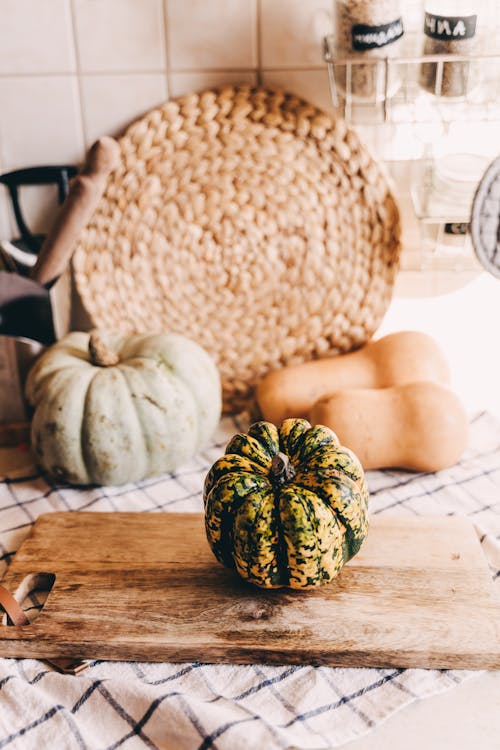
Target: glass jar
{"points": [[366, 29], [450, 27]]}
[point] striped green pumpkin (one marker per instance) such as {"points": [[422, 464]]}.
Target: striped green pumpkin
{"points": [[287, 506]]}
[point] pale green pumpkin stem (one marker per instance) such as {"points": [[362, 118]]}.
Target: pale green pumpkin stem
{"points": [[281, 468], [100, 352]]}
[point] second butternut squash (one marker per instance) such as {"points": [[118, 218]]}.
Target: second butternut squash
{"points": [[395, 359], [420, 426]]}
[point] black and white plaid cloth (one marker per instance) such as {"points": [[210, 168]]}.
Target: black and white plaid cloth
{"points": [[200, 706]]}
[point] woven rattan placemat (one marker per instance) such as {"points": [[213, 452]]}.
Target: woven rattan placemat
{"points": [[250, 221]]}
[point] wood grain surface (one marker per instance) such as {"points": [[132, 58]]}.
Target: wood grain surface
{"points": [[146, 587]]}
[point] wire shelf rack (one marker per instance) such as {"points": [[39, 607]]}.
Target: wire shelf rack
{"points": [[395, 93], [427, 129]]}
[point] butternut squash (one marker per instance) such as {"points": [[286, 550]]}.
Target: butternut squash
{"points": [[420, 426], [395, 359]]}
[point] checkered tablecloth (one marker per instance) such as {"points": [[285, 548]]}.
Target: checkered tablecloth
{"points": [[200, 706]]}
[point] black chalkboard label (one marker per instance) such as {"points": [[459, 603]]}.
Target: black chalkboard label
{"points": [[449, 28], [370, 37]]}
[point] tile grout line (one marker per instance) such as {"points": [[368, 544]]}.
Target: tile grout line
{"points": [[258, 41], [166, 47], [160, 71], [76, 50]]}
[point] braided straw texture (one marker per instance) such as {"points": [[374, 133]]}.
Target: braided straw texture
{"points": [[250, 221]]}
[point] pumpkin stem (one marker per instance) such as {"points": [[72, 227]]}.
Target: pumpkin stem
{"points": [[282, 470], [100, 352]]}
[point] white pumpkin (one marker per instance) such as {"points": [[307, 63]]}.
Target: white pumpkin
{"points": [[112, 408]]}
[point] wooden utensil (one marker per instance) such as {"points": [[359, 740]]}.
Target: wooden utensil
{"points": [[84, 194], [141, 586]]}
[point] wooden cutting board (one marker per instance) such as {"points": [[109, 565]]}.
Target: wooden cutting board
{"points": [[146, 587]]}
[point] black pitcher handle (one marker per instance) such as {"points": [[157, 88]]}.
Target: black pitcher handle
{"points": [[45, 175]]}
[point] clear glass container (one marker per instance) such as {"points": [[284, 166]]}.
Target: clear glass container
{"points": [[367, 29], [451, 27]]}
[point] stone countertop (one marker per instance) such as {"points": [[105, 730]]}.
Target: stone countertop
{"points": [[464, 718]]}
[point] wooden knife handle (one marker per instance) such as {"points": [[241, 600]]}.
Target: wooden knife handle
{"points": [[12, 607], [84, 194]]}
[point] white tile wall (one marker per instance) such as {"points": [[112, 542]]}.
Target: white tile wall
{"points": [[71, 70], [36, 37], [40, 123], [292, 30], [111, 102], [119, 35], [40, 120], [216, 34]]}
